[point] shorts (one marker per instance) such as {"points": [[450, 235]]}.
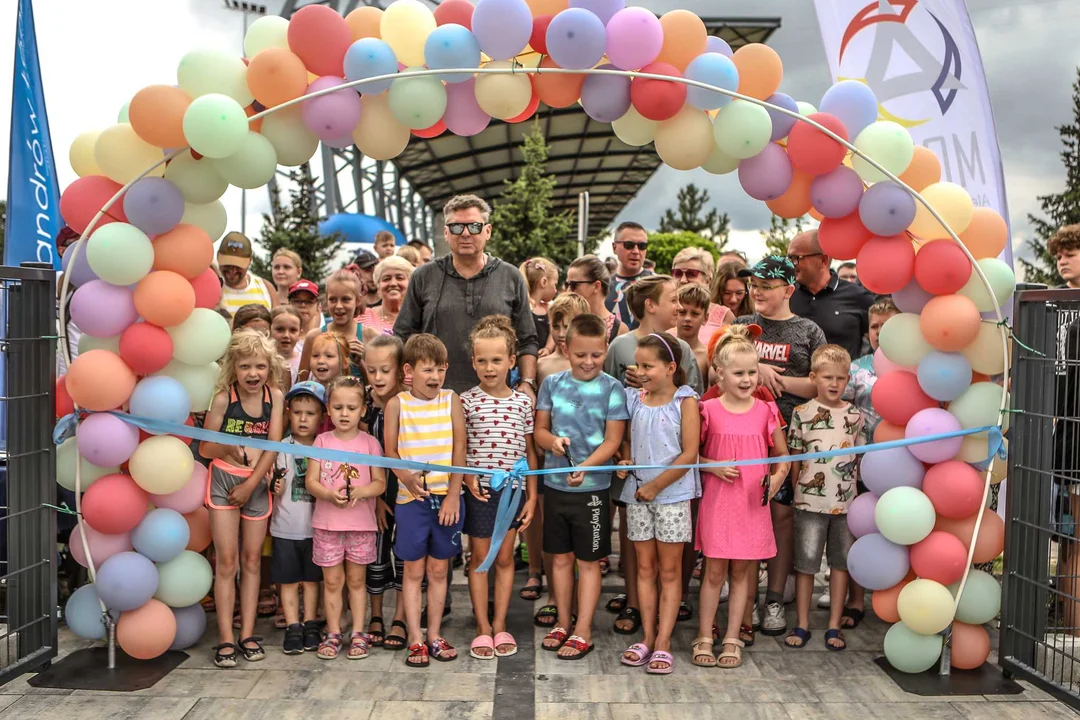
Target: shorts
{"points": [[671, 523], [786, 494], [223, 478], [292, 562], [333, 547], [821, 532], [480, 516], [616, 490], [419, 534], [578, 523], [384, 572]]}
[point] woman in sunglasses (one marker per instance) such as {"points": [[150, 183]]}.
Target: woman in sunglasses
{"points": [[694, 265], [588, 277]]}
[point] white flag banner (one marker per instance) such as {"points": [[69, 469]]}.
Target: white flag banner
{"points": [[922, 61]]}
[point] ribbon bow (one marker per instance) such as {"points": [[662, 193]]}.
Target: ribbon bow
{"points": [[512, 485], [515, 475]]}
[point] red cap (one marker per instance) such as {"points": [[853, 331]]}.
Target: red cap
{"points": [[304, 286]]}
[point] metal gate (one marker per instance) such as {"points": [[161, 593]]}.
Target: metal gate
{"points": [[28, 592]]}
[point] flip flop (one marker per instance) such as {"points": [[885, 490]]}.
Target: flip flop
{"points": [[505, 638], [661, 656], [855, 615], [631, 614], [686, 612], [485, 642], [531, 593], [576, 642], [616, 604], [800, 634], [834, 634], [641, 652], [557, 634], [547, 612], [393, 641]]}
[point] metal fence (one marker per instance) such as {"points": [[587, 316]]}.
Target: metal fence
{"points": [[28, 588], [1040, 619]]}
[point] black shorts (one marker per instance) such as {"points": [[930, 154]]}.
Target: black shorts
{"points": [[578, 523], [291, 562], [786, 494]]}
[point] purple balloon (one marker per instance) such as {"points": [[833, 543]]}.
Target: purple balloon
{"points": [[154, 205], [634, 38], [718, 45], [333, 116], [80, 273], [502, 27], [342, 142], [605, 98], [576, 39], [860, 515], [852, 103], [603, 9], [464, 116], [929, 422], [190, 626], [103, 310], [883, 470], [886, 209], [105, 440], [836, 194], [911, 298], [126, 581], [767, 175], [877, 564], [781, 123]]}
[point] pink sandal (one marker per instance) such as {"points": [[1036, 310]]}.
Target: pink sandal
{"points": [[505, 638], [641, 653], [482, 642], [661, 657]]}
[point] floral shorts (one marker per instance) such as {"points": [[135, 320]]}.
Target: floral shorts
{"points": [[333, 547], [665, 523]]}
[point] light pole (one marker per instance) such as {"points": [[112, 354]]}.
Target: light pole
{"points": [[246, 9]]}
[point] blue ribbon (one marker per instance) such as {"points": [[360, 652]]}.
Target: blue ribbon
{"points": [[512, 485]]}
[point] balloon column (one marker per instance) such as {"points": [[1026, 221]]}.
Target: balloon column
{"points": [[147, 202]]}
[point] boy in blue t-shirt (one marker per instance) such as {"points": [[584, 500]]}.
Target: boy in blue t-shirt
{"points": [[580, 419]]}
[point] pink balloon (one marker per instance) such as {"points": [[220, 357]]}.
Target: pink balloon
{"points": [[883, 365], [463, 115], [767, 175], [860, 515], [102, 546], [634, 38], [331, 116], [188, 498], [836, 194], [934, 421], [106, 441], [103, 310]]}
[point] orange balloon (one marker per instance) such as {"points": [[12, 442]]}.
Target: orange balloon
{"points": [[186, 249], [795, 202], [884, 601], [760, 70], [970, 646], [986, 235], [148, 631], [156, 114], [99, 380], [364, 22], [816, 215], [557, 90], [198, 521], [950, 322], [164, 298], [684, 38], [547, 7], [991, 540], [886, 432], [276, 75], [924, 170]]}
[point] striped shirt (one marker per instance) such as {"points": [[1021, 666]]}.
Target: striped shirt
{"points": [[426, 434], [254, 293]]}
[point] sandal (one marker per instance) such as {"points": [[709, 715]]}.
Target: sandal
{"points": [[330, 646], [268, 604], [696, 574], [376, 638], [358, 646], [616, 604], [252, 654], [221, 659], [605, 566], [686, 612], [393, 641], [746, 634], [559, 635], [280, 623], [631, 614], [703, 652], [505, 638], [851, 617], [441, 650], [834, 634], [482, 642], [576, 642], [546, 616], [208, 604], [312, 635], [800, 634], [636, 655], [735, 654], [532, 593], [667, 663], [418, 656]]}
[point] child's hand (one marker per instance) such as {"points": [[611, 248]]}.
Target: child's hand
{"points": [[412, 483], [356, 348], [277, 484], [623, 474], [450, 509], [647, 492], [341, 498], [526, 516], [356, 496], [727, 473], [560, 446], [575, 478], [383, 513], [475, 489], [632, 378], [239, 495], [776, 481]]}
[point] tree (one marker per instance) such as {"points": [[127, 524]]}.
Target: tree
{"points": [[692, 203], [1059, 208], [296, 226], [523, 224], [780, 232], [664, 246]]}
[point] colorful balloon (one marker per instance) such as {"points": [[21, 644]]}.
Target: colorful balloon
{"points": [[684, 141], [502, 96], [605, 98], [576, 39], [1002, 283], [886, 264], [202, 338], [502, 27], [603, 9], [923, 171], [102, 546], [981, 601], [904, 515], [634, 37], [909, 651], [561, 90], [887, 143], [883, 470], [633, 129], [205, 71], [811, 150], [114, 505], [102, 310], [147, 631], [836, 194], [877, 564], [860, 515], [852, 103], [931, 423], [925, 606], [940, 557], [215, 125], [842, 238], [156, 115], [986, 235], [719, 71], [161, 465], [901, 340], [760, 70], [268, 31], [742, 129], [106, 440], [767, 175], [684, 38], [276, 76], [955, 488], [320, 37], [185, 580], [163, 534], [126, 581], [950, 322], [452, 46], [99, 380], [886, 209], [952, 202]]}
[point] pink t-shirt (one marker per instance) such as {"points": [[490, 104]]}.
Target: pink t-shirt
{"points": [[332, 475], [717, 318]]}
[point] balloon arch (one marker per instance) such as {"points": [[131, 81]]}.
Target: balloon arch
{"points": [[147, 205]]}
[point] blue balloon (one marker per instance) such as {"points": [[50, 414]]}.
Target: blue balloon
{"points": [[716, 70], [161, 397], [715, 44], [883, 470], [190, 626], [452, 46], [83, 614], [576, 39], [852, 103], [368, 58], [877, 564], [781, 123], [944, 376], [502, 27], [162, 535], [603, 9], [126, 581]]}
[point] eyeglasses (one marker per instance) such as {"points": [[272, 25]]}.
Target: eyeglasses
{"points": [[631, 245], [687, 273], [457, 228], [755, 287], [796, 259], [572, 285]]}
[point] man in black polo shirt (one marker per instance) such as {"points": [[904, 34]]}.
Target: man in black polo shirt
{"points": [[840, 309]]}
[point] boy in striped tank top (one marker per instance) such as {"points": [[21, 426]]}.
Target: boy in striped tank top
{"points": [[422, 425]]}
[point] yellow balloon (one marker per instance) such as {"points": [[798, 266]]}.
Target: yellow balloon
{"points": [[197, 180], [378, 134], [719, 162], [405, 27], [986, 351], [292, 141], [161, 465], [269, 31], [954, 205], [211, 217], [685, 141], [633, 129], [203, 71], [81, 154], [503, 96], [925, 606], [250, 167], [122, 155]]}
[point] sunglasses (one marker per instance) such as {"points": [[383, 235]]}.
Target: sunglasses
{"points": [[687, 273], [572, 285], [457, 228], [631, 245], [796, 259]]}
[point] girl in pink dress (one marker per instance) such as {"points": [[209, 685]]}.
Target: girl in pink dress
{"points": [[734, 522]]}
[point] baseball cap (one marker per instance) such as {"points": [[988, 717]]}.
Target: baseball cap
{"points": [[307, 387], [235, 250], [302, 285], [772, 267], [365, 260]]}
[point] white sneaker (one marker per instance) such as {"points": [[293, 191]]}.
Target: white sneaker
{"points": [[789, 589], [755, 617], [762, 577], [774, 622], [825, 601], [724, 591]]}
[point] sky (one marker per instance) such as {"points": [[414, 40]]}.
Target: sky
{"points": [[96, 55]]}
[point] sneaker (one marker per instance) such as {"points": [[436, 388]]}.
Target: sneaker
{"points": [[762, 577], [294, 639], [755, 617], [825, 601], [774, 623], [724, 592], [789, 590], [312, 635]]}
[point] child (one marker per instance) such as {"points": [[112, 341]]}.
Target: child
{"points": [[291, 563], [285, 323], [345, 300], [665, 429], [426, 424], [692, 313], [541, 278], [304, 296], [499, 430], [382, 363], [580, 418], [385, 243], [880, 311], [252, 317], [247, 403], [734, 525], [343, 523], [329, 358], [824, 490]]}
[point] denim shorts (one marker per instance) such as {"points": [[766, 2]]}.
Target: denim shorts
{"points": [[816, 533], [419, 535]]}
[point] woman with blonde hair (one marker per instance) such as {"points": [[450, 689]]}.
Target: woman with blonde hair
{"points": [[391, 279], [695, 265], [286, 268]]}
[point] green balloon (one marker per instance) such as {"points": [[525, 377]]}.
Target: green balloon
{"points": [[1002, 281], [215, 125], [742, 129], [120, 254], [198, 380], [981, 601], [417, 102], [122, 116], [904, 515], [89, 342], [65, 468], [979, 406], [184, 580], [201, 339], [251, 166], [910, 652], [902, 341], [889, 144], [805, 108]]}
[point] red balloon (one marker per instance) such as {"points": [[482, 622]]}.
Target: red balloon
{"points": [[455, 12], [114, 504], [207, 289], [955, 488], [145, 348], [886, 264], [843, 238], [658, 99], [434, 131], [811, 150], [538, 39], [82, 199], [941, 267], [940, 556], [64, 404], [529, 110], [991, 538], [320, 37], [897, 396]]}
